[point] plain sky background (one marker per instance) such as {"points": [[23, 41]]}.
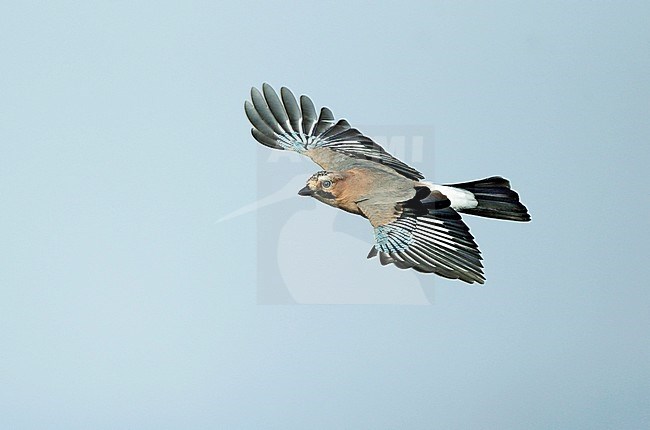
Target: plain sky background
{"points": [[123, 139]]}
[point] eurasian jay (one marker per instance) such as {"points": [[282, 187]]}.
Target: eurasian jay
{"points": [[416, 223]]}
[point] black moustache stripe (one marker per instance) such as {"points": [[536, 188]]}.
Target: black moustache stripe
{"points": [[325, 194]]}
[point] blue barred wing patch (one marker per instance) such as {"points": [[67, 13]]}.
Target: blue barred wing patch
{"points": [[438, 242], [394, 237]]}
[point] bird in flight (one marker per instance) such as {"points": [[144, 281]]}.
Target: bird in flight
{"points": [[417, 224]]}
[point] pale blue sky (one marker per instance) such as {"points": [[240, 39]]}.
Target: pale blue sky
{"points": [[123, 304]]}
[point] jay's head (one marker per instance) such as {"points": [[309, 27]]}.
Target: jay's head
{"points": [[324, 186]]}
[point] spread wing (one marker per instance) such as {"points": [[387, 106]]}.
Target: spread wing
{"points": [[425, 234], [283, 123]]}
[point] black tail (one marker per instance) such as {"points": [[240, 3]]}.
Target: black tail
{"points": [[495, 199]]}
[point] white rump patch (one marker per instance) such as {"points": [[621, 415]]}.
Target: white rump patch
{"points": [[459, 198]]}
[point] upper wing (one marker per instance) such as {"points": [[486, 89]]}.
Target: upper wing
{"points": [[425, 234], [282, 123]]}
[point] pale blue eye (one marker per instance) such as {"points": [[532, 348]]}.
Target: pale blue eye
{"points": [[327, 184]]}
